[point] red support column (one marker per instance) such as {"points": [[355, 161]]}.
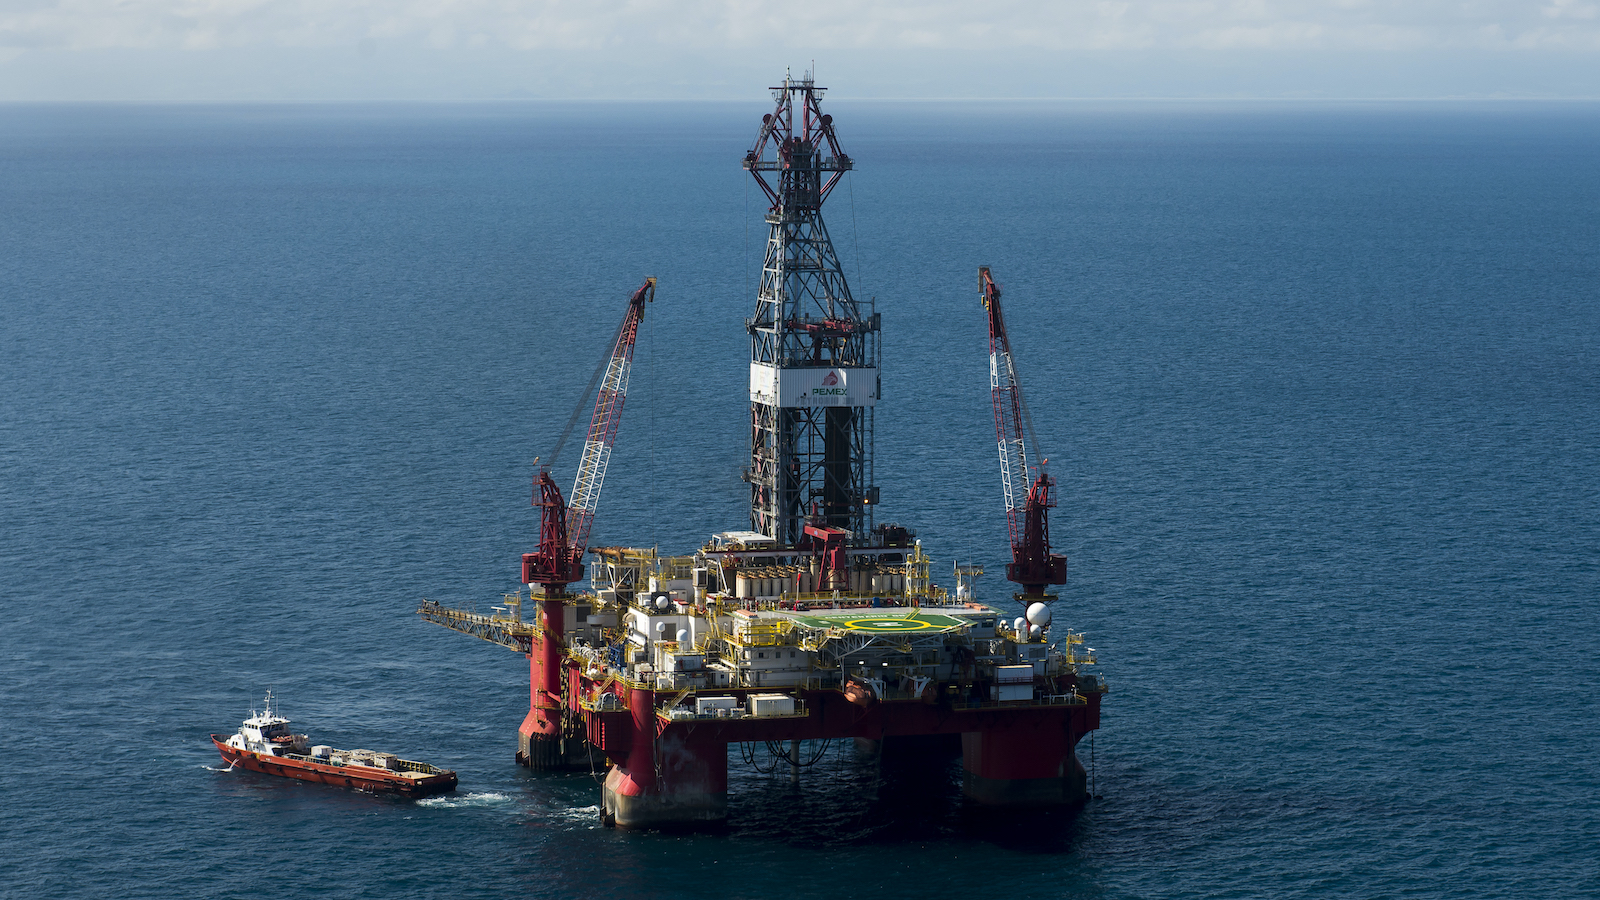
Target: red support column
{"points": [[1028, 765], [670, 778], [541, 746]]}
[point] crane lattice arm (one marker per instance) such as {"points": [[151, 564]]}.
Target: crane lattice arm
{"points": [[564, 528], [603, 426], [1032, 564]]}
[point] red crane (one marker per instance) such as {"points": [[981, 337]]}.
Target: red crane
{"points": [[563, 528], [1032, 564]]}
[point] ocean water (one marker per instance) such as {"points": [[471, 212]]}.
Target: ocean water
{"points": [[1320, 385]]}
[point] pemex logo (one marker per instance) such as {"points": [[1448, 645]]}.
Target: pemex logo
{"points": [[830, 385], [832, 379]]}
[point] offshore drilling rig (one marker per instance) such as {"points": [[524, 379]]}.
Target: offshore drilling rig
{"points": [[815, 623]]}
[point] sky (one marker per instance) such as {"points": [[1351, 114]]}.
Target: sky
{"points": [[479, 50]]}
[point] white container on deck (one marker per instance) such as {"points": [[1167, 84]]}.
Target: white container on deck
{"points": [[1013, 691], [1013, 682], [771, 705], [708, 705], [1013, 674]]}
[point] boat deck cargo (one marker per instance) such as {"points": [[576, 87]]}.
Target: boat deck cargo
{"points": [[265, 744]]}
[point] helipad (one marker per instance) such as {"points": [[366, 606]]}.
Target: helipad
{"points": [[885, 622]]}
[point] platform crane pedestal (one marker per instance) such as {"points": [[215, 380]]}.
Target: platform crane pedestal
{"points": [[550, 737]]}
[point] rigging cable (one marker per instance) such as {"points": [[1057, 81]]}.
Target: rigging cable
{"points": [[777, 749], [651, 402], [779, 754], [855, 236], [746, 238], [747, 752], [583, 401]]}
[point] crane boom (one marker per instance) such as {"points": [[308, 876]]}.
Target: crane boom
{"points": [[1015, 472], [1032, 564], [564, 528], [603, 426]]}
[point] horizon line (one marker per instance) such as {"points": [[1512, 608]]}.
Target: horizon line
{"points": [[481, 101]]}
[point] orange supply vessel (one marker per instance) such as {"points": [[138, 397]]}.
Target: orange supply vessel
{"points": [[265, 744]]}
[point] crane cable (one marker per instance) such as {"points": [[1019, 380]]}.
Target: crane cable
{"points": [[583, 401], [1022, 401]]}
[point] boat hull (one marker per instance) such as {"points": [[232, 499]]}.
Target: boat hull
{"points": [[355, 777]]}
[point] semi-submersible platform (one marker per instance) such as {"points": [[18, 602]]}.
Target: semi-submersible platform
{"points": [[814, 623]]}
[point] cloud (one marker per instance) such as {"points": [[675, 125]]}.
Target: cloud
{"points": [[654, 26], [226, 50]]}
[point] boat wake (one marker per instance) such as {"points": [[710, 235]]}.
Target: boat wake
{"points": [[470, 800], [215, 769], [581, 815]]}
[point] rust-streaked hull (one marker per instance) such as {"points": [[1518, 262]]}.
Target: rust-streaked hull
{"points": [[361, 778]]}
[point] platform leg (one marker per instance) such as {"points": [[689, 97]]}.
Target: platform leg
{"points": [[1022, 767], [539, 744], [673, 780], [542, 743]]}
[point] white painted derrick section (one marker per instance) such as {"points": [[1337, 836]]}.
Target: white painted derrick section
{"points": [[814, 385]]}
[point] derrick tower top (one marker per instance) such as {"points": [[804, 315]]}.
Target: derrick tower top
{"points": [[813, 348]]}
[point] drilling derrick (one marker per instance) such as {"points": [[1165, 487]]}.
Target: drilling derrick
{"points": [[813, 351]]}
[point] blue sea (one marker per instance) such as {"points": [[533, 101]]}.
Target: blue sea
{"points": [[1320, 386]]}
